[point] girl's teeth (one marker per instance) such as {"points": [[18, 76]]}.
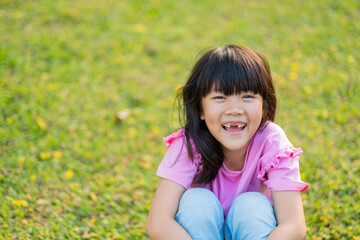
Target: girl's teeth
{"points": [[238, 126]]}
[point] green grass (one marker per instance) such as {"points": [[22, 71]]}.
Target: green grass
{"points": [[70, 169]]}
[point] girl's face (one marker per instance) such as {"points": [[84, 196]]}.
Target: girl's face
{"points": [[232, 119]]}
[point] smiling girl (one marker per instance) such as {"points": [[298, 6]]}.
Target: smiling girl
{"points": [[230, 172]]}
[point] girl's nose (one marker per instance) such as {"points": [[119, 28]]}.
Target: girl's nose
{"points": [[234, 106]]}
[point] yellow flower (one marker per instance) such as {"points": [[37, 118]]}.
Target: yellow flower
{"points": [[146, 158], [69, 174], [324, 219], [32, 178], [45, 156], [294, 66], [24, 221], [92, 220], [57, 154], [41, 123], [145, 162], [325, 113], [20, 203], [145, 165], [93, 197], [307, 90], [132, 132], [280, 78], [22, 160], [10, 120]]}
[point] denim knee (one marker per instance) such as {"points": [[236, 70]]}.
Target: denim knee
{"points": [[251, 216], [199, 202], [200, 214], [252, 203]]}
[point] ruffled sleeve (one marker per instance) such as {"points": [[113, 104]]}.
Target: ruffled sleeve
{"points": [[281, 172], [170, 139], [176, 165]]}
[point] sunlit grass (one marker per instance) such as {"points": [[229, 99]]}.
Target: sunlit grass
{"points": [[73, 167]]}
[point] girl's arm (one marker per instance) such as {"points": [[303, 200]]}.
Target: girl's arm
{"points": [[290, 216], [161, 222]]}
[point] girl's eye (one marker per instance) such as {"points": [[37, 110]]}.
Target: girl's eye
{"points": [[219, 97], [248, 96]]}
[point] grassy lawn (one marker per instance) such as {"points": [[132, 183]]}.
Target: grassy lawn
{"points": [[72, 167]]}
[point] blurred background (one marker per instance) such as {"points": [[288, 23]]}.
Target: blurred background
{"points": [[87, 91]]}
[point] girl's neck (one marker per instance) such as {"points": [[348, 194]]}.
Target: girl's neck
{"points": [[235, 161]]}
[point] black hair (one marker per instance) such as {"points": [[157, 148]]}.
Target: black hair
{"points": [[231, 69]]}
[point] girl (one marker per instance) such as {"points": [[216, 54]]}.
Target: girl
{"points": [[230, 173]]}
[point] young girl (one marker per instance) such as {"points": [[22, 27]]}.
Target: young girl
{"points": [[230, 173]]}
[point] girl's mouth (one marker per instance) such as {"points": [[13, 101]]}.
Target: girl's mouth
{"points": [[234, 127]]}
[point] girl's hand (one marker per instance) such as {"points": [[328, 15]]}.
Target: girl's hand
{"points": [[161, 222], [290, 216]]}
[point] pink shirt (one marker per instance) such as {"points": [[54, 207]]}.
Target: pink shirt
{"points": [[271, 164]]}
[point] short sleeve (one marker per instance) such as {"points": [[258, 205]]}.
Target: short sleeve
{"points": [[281, 172], [176, 165]]}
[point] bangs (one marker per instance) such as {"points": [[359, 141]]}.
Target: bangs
{"points": [[233, 72]]}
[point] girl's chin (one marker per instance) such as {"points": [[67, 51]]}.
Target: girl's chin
{"points": [[240, 147]]}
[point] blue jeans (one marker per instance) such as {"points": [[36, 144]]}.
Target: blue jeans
{"points": [[251, 216]]}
